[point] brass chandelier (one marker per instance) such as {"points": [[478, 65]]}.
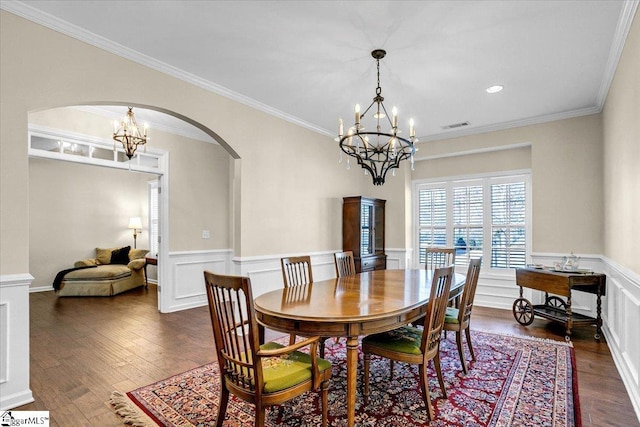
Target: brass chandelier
{"points": [[128, 133], [380, 150]]}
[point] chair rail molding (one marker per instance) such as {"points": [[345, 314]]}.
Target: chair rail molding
{"points": [[14, 340]]}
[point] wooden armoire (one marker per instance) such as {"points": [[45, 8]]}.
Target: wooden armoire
{"points": [[363, 232]]}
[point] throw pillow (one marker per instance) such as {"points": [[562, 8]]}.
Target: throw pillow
{"points": [[137, 254], [120, 256], [103, 255]]}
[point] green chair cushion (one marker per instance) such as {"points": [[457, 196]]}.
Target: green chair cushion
{"points": [[451, 316], [402, 340], [287, 371]]}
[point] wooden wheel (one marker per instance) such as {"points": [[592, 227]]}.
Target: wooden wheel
{"points": [[523, 311], [556, 302]]}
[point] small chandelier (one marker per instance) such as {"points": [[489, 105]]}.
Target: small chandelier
{"points": [[380, 150], [128, 133]]}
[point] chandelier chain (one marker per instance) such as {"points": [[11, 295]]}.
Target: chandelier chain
{"points": [[386, 149]]}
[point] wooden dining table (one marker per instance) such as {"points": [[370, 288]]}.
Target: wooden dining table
{"points": [[350, 306]]}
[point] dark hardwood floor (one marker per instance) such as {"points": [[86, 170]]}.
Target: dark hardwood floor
{"points": [[82, 349]]}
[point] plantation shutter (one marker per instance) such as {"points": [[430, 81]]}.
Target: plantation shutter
{"points": [[432, 219]]}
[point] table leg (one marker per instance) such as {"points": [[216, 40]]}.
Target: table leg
{"points": [[599, 314], [352, 373], [569, 318]]}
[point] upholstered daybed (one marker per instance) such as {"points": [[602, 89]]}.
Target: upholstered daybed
{"points": [[112, 271]]}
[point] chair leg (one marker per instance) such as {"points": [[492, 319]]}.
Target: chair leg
{"points": [[260, 416], [292, 339], [436, 363], [391, 365], [424, 387], [222, 409], [467, 332], [367, 361], [461, 350], [322, 341], [325, 402]]}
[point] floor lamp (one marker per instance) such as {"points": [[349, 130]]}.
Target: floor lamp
{"points": [[135, 223]]}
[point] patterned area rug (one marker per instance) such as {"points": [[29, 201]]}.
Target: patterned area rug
{"points": [[515, 381]]}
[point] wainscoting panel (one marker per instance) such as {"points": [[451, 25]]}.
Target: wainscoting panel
{"points": [[621, 320], [14, 340], [398, 259], [186, 285], [4, 340]]}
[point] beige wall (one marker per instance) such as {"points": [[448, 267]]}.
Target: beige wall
{"points": [[621, 123], [287, 195], [565, 158], [474, 164], [290, 203], [75, 208]]}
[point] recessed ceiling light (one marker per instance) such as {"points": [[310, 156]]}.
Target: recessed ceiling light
{"points": [[494, 89]]}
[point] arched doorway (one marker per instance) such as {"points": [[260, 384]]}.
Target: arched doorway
{"points": [[172, 135]]}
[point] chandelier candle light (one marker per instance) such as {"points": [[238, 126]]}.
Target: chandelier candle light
{"points": [[128, 133], [377, 151]]}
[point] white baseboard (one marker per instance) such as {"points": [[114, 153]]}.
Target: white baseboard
{"points": [[15, 400], [41, 289]]}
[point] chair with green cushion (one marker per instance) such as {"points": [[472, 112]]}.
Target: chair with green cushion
{"points": [[415, 345], [437, 257], [264, 375], [458, 319]]}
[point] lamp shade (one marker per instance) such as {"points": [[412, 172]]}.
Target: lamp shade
{"points": [[135, 222]]}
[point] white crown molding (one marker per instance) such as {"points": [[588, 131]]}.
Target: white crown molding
{"points": [[477, 151], [510, 125], [617, 46], [47, 20], [71, 30]]}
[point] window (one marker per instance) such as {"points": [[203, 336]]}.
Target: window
{"points": [[508, 225], [432, 214], [484, 217], [61, 145]]}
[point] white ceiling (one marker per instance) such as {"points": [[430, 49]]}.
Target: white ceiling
{"points": [[309, 62]]}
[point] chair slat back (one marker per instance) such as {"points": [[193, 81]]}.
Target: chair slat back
{"points": [[469, 294], [436, 308], [439, 257], [345, 266], [296, 271], [234, 329]]}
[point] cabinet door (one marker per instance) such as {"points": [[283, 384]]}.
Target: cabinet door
{"points": [[378, 229], [367, 216]]}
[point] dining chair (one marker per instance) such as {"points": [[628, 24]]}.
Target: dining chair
{"points": [[458, 319], [345, 266], [297, 271], [414, 345], [264, 375], [439, 257]]}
